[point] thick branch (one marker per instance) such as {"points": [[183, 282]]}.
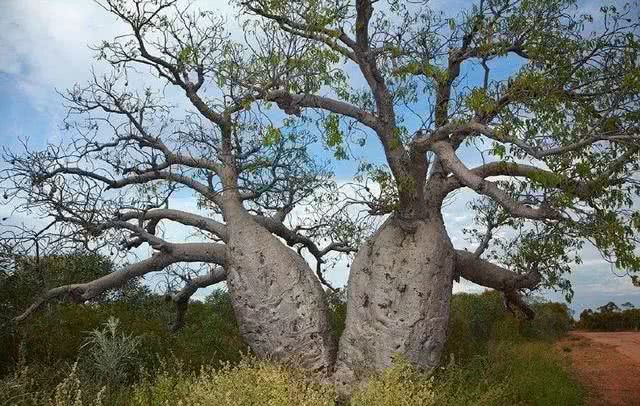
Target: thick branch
{"points": [[484, 273], [292, 103], [580, 189], [474, 181], [182, 217], [181, 298], [80, 292]]}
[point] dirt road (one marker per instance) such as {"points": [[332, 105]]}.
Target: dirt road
{"points": [[608, 364]]}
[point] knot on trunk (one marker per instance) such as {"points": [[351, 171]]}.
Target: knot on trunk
{"points": [[76, 294], [407, 223], [287, 103]]}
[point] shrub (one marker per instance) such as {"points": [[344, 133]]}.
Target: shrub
{"points": [[610, 318], [401, 384], [110, 357], [477, 320], [552, 321], [251, 382], [211, 334]]}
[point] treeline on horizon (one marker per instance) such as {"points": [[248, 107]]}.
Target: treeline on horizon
{"points": [[610, 317]]}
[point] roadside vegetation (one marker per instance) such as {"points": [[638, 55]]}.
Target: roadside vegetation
{"points": [[610, 317], [120, 352]]}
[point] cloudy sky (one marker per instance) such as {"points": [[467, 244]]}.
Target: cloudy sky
{"points": [[44, 48]]}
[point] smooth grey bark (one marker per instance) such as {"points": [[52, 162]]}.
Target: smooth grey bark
{"points": [[398, 299], [279, 303]]}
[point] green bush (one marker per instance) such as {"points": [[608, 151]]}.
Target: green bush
{"points": [[249, 383], [477, 320], [211, 334], [610, 318], [552, 321], [110, 357]]}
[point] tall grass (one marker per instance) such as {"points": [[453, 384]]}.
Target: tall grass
{"points": [[525, 373]]}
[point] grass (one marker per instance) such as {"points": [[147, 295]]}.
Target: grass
{"points": [[499, 360], [512, 373], [540, 376]]}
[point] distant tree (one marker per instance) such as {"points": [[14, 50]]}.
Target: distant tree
{"points": [[609, 308], [610, 318]]}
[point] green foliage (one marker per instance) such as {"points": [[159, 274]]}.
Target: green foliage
{"points": [[610, 318], [552, 321], [108, 356], [210, 335], [32, 275], [477, 321], [272, 136], [249, 383], [28, 277], [334, 137]]}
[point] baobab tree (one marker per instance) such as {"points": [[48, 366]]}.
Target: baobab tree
{"points": [[132, 148], [517, 101], [529, 104]]}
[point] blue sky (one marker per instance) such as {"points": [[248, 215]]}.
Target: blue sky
{"points": [[43, 47]]}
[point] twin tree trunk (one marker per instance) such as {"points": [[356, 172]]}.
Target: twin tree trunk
{"points": [[398, 299], [278, 301]]}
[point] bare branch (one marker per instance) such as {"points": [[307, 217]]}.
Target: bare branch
{"points": [[474, 181]]}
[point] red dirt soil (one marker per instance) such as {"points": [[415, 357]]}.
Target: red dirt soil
{"points": [[608, 364]]}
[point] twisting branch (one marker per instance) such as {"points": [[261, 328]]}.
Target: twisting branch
{"points": [[81, 292], [181, 298], [484, 187], [484, 273]]}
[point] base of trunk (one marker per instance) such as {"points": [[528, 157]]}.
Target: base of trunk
{"points": [[398, 299], [279, 303]]}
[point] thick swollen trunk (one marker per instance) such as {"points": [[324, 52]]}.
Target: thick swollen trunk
{"points": [[279, 303], [398, 298]]}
